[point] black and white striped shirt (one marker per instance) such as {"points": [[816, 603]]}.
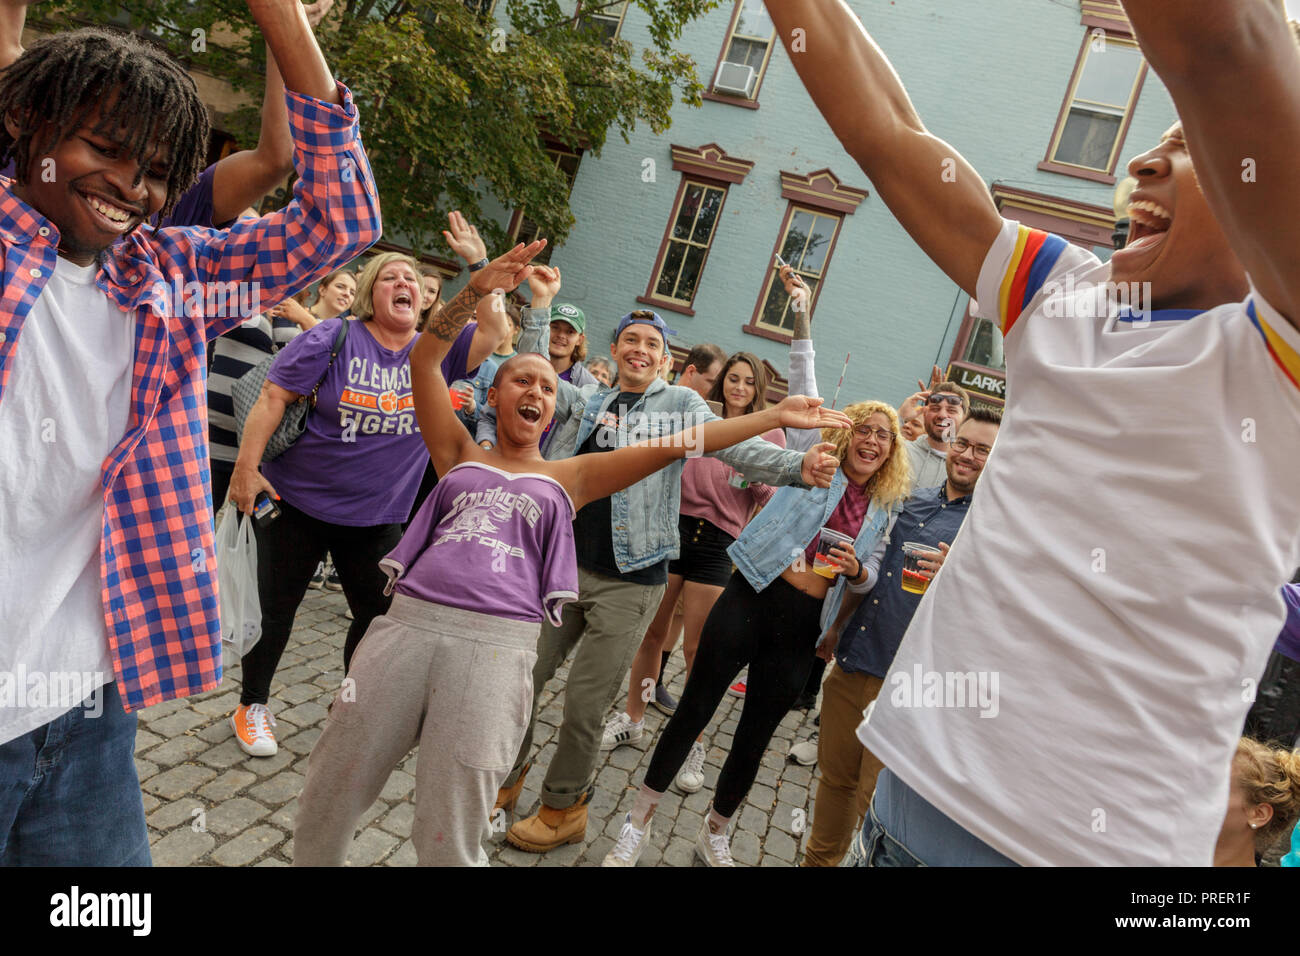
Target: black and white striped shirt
{"points": [[234, 354]]}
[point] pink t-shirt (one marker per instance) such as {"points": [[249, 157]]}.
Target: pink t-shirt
{"points": [[490, 541], [710, 491], [846, 518]]}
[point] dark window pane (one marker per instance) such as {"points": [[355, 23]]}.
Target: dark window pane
{"points": [[686, 217], [746, 52], [708, 216], [776, 315], [985, 347], [1088, 138], [796, 237], [672, 263], [694, 262], [819, 243]]}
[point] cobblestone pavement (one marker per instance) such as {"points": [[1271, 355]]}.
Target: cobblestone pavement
{"points": [[208, 803]]}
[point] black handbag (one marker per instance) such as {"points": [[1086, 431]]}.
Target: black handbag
{"points": [[246, 389]]}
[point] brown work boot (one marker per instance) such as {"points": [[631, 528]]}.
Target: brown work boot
{"points": [[549, 827], [507, 797]]}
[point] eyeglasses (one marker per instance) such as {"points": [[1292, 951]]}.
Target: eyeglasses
{"points": [[959, 446], [882, 435], [944, 399]]}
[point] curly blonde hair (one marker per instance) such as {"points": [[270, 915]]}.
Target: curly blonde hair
{"points": [[892, 482], [1269, 775]]}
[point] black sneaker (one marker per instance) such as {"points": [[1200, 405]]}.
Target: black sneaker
{"points": [[318, 579], [664, 701], [332, 582], [805, 702]]}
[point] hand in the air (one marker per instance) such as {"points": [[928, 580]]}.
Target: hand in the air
{"points": [[800, 411], [464, 239]]}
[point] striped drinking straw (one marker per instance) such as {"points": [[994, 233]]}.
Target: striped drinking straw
{"points": [[836, 399]]}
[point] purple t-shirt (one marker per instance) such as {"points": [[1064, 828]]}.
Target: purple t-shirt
{"points": [[1288, 642], [490, 541], [361, 458], [454, 366]]}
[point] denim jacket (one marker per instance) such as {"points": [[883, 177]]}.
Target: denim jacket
{"points": [[645, 515], [777, 536]]}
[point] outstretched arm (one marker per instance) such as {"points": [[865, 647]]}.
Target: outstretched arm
{"points": [[1233, 70], [934, 193], [590, 477], [803, 369]]}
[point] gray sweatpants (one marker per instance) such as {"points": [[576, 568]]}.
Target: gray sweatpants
{"points": [[457, 683]]}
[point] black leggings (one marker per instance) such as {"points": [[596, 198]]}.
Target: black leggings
{"points": [[287, 554], [775, 632]]}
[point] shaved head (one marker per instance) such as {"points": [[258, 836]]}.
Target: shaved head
{"points": [[534, 358]]}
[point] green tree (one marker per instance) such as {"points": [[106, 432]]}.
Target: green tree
{"points": [[455, 106]]}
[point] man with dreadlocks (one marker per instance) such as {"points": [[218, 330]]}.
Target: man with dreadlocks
{"points": [[107, 570]]}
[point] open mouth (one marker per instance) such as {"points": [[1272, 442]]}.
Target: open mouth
{"points": [[868, 456], [1149, 222], [529, 413], [402, 300], [111, 216]]}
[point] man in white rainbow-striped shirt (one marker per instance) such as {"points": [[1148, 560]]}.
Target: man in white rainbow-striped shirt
{"points": [[1122, 582]]}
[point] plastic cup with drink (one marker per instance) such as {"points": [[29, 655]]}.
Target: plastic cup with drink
{"points": [[916, 579], [823, 564]]}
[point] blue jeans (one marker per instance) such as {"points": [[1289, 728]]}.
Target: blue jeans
{"points": [[69, 794], [914, 833]]}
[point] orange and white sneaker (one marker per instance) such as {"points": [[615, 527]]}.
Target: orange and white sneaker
{"points": [[252, 724]]}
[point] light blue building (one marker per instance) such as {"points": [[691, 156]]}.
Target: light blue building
{"points": [[1047, 99]]}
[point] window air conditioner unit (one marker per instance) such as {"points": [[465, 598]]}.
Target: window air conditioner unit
{"points": [[735, 78]]}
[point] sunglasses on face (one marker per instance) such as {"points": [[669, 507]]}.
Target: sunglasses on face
{"points": [[944, 399]]}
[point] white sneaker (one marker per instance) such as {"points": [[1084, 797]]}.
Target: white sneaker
{"points": [[804, 753], [713, 848], [252, 725], [691, 777], [631, 842], [620, 730]]}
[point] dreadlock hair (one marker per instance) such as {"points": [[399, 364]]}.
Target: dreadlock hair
{"points": [[144, 96]]}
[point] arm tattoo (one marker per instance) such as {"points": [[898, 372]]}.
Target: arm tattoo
{"points": [[446, 325], [802, 326]]}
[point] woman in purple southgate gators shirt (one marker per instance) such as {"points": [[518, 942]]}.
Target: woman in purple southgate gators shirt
{"points": [[449, 666], [347, 485]]}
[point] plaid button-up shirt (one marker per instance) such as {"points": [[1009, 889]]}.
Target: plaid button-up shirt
{"points": [[185, 286]]}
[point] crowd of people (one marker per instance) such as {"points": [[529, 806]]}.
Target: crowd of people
{"points": [[493, 501]]}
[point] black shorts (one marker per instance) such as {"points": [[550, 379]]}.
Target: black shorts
{"points": [[704, 557]]}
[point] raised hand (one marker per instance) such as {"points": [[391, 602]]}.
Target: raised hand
{"points": [[464, 239], [914, 405], [544, 283], [800, 411], [819, 465], [795, 288], [316, 12], [507, 271]]}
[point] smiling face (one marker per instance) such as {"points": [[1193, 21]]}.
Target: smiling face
{"points": [[564, 339], [1175, 243], [395, 297], [94, 198], [975, 440], [870, 445], [738, 388], [336, 298], [523, 394], [430, 288], [943, 414], [638, 353]]}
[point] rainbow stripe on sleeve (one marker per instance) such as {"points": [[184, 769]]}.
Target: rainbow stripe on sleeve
{"points": [[1032, 261], [1287, 359]]}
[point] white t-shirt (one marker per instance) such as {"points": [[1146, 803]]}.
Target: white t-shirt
{"points": [[64, 409], [1118, 575]]}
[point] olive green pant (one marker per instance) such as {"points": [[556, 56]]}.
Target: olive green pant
{"points": [[606, 624]]}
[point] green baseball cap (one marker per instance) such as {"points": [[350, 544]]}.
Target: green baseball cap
{"points": [[571, 314]]}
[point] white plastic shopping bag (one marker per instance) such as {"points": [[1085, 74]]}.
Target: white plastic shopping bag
{"points": [[241, 611]]}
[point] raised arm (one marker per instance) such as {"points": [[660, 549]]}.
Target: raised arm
{"points": [[241, 179], [590, 477], [1233, 70], [448, 442], [937, 196], [290, 40], [803, 370]]}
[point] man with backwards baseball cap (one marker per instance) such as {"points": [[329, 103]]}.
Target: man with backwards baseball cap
{"points": [[624, 543]]}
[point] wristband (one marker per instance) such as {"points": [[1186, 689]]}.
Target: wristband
{"points": [[475, 266]]}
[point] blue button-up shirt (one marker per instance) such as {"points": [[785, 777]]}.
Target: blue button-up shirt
{"points": [[872, 636]]}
